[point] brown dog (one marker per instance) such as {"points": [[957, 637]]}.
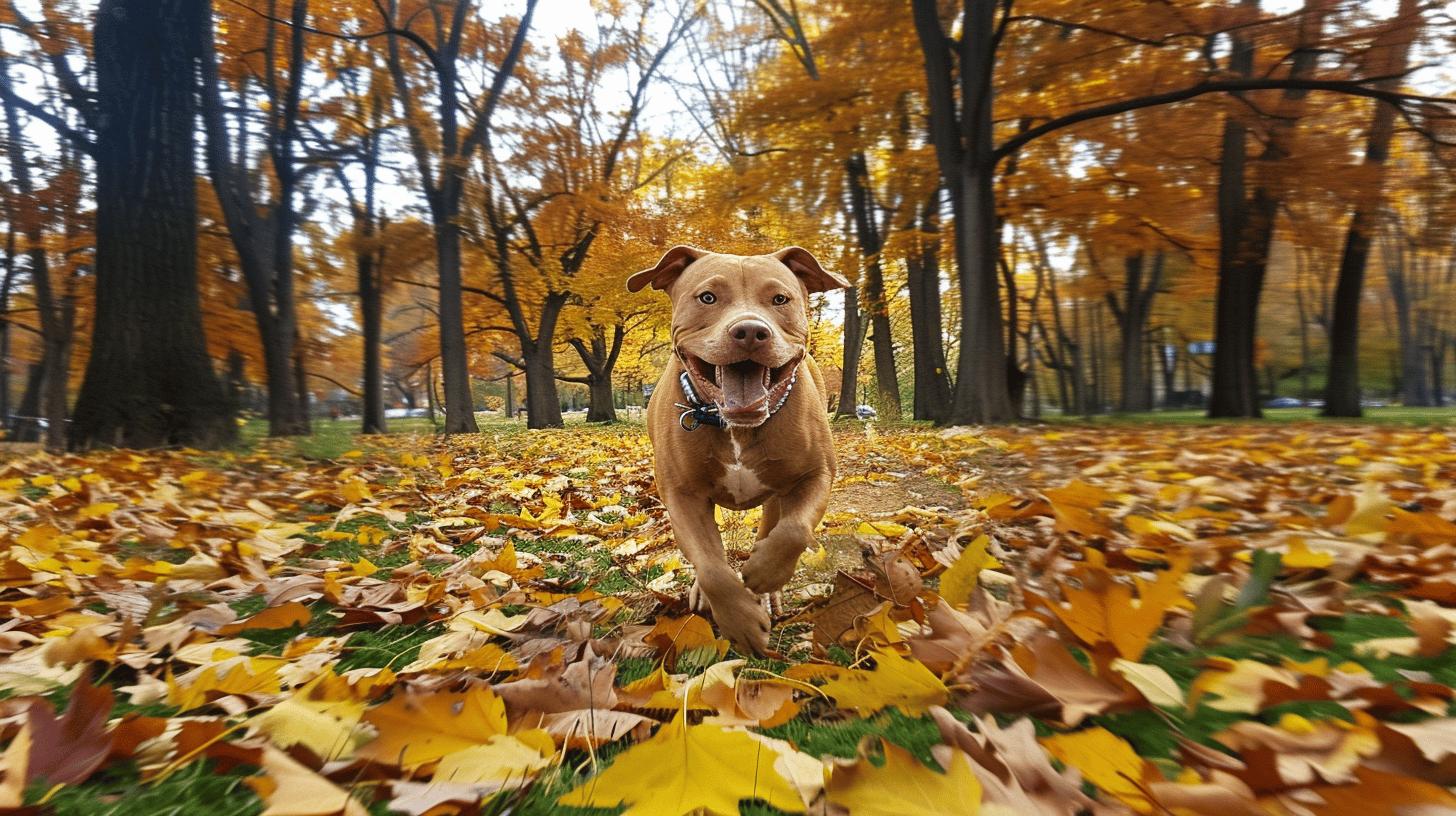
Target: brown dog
{"points": [[738, 420]]}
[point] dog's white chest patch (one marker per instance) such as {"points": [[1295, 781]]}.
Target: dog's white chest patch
{"points": [[739, 481]]}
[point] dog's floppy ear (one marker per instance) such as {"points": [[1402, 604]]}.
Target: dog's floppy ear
{"points": [[814, 276], [666, 271]]}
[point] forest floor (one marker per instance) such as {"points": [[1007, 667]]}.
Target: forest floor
{"points": [[1135, 617]]}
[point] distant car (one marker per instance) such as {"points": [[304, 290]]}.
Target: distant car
{"points": [[406, 413], [1314, 403], [1284, 402], [866, 412], [1374, 403]]}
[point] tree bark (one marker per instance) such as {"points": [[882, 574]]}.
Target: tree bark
{"points": [[149, 381], [1132, 313], [932, 382], [262, 234], [600, 360], [962, 135], [1390, 52], [854, 332], [57, 313], [1414, 337], [1247, 223], [869, 237]]}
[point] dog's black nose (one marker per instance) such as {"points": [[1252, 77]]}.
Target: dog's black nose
{"points": [[750, 334]]}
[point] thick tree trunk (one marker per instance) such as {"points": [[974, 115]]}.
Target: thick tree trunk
{"points": [[1390, 54], [962, 134], [602, 406], [5, 287], [1235, 391], [543, 402], [1247, 223], [149, 381], [454, 357], [932, 382]]}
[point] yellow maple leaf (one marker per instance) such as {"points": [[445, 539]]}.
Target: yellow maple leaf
{"points": [[957, 583], [291, 789], [1107, 761], [1103, 610], [328, 728], [690, 769], [509, 761], [418, 728], [894, 681], [902, 785]]}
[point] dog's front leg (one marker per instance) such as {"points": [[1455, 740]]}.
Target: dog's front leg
{"points": [[777, 553], [738, 613]]}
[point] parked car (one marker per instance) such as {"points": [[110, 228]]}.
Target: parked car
{"points": [[866, 412], [1284, 402], [406, 413]]}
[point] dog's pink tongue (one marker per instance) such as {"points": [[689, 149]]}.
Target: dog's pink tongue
{"points": [[742, 385]]}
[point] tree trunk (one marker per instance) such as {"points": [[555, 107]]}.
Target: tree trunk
{"points": [[870, 239], [1415, 387], [962, 134], [1247, 223], [600, 360], [602, 407], [454, 357], [932, 383], [262, 234], [26, 427], [149, 381], [1235, 391], [1390, 53], [5, 287], [371, 307], [543, 403], [56, 315], [1132, 313], [854, 332]]}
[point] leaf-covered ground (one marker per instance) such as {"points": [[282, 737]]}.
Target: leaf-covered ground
{"points": [[1189, 620]]}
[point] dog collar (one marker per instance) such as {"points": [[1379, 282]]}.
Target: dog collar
{"points": [[699, 412]]}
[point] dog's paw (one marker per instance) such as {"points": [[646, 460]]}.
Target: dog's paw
{"points": [[767, 570], [745, 622]]}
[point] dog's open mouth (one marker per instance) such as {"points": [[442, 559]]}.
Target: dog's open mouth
{"points": [[743, 391]]}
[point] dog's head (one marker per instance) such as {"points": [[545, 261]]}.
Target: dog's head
{"points": [[740, 323]]}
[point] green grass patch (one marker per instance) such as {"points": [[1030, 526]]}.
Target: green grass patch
{"points": [[841, 739], [391, 646], [118, 791]]}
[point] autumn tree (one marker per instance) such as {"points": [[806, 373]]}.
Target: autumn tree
{"points": [[1387, 59], [586, 163], [447, 127]]}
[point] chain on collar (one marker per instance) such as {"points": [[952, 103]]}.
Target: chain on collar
{"points": [[699, 412]]}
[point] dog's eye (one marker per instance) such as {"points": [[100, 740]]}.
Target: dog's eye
{"points": [[707, 298], [780, 299]]}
